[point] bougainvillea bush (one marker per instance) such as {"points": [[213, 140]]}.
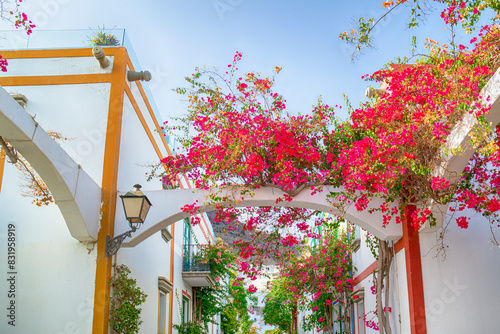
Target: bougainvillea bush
{"points": [[226, 297], [237, 132], [407, 126], [316, 279], [238, 135], [235, 317], [221, 259]]}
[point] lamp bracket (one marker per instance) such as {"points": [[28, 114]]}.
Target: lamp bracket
{"points": [[112, 245]]}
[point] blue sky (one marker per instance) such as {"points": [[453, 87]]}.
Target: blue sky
{"points": [[171, 38]]}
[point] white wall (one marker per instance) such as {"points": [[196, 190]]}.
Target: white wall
{"points": [[136, 153], [79, 113], [461, 290], [147, 261], [460, 283], [401, 294], [55, 273], [363, 258]]}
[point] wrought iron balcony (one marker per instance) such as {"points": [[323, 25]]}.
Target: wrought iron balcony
{"points": [[195, 268]]}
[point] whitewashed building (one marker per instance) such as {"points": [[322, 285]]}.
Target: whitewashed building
{"points": [[55, 269]]}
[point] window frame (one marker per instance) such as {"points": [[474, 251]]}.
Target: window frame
{"points": [[358, 319], [164, 287], [162, 312], [185, 309]]}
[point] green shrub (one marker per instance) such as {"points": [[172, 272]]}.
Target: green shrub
{"points": [[124, 313]]}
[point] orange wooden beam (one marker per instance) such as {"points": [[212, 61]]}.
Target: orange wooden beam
{"points": [[148, 131], [151, 112], [55, 79], [109, 193], [143, 122], [414, 277]]}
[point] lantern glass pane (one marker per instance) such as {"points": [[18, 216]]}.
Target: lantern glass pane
{"points": [[132, 206], [145, 210]]}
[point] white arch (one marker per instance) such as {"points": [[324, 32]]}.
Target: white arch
{"points": [[167, 203], [77, 195]]}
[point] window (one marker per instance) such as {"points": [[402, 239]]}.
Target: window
{"points": [[337, 312], [164, 288], [185, 309], [187, 243], [359, 311], [162, 313], [187, 232], [355, 240]]}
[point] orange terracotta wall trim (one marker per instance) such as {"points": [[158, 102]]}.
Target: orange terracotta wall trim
{"points": [[365, 273], [2, 165], [184, 293], [151, 112], [143, 122], [210, 235], [399, 245]]}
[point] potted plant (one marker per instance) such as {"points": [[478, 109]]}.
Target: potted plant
{"points": [[101, 37]]}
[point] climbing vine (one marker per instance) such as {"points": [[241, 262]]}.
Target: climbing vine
{"points": [[226, 297], [318, 279], [235, 317], [279, 306], [238, 137], [32, 184], [125, 313]]}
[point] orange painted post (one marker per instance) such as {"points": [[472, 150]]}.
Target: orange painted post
{"points": [[109, 182], [2, 164], [414, 277]]}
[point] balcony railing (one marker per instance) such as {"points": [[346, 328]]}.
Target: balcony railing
{"points": [[192, 259], [57, 39], [195, 268]]}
